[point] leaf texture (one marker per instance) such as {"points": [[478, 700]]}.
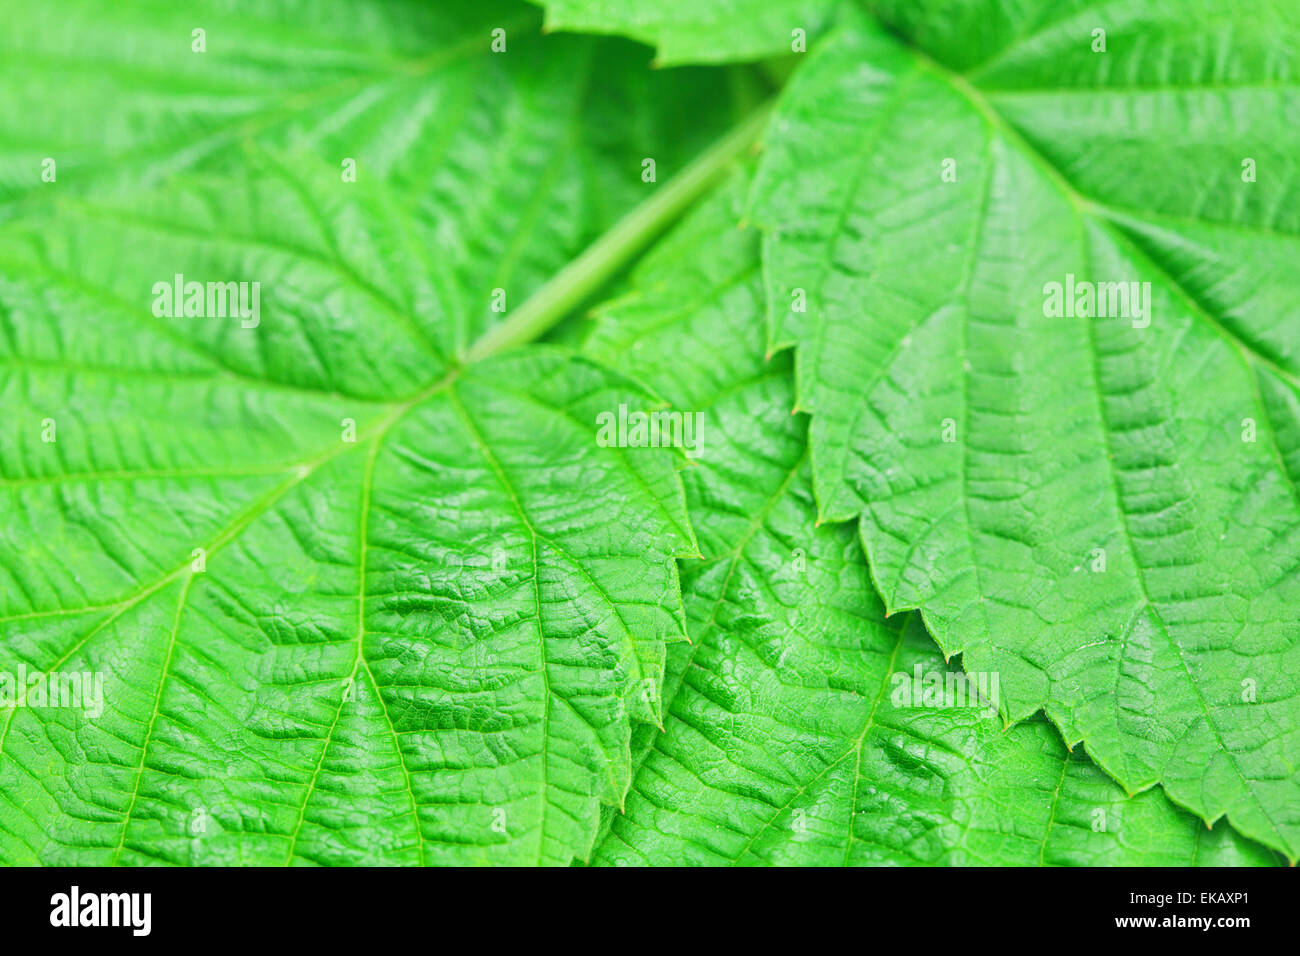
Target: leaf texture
{"points": [[796, 731], [502, 166], [361, 587], [1101, 506]]}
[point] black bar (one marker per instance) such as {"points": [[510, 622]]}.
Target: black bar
{"points": [[581, 908]]}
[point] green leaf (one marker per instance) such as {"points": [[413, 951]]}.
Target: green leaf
{"points": [[550, 133], [796, 730], [1104, 510], [359, 589], [700, 31]]}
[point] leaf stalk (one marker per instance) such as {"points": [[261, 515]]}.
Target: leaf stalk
{"points": [[627, 237]]}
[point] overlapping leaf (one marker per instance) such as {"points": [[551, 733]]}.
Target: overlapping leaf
{"points": [[798, 728], [1101, 502]]}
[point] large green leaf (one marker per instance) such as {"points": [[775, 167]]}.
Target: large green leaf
{"points": [[352, 598], [1104, 510], [700, 31], [792, 734]]}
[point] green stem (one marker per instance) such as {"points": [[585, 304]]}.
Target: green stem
{"points": [[581, 277]]}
